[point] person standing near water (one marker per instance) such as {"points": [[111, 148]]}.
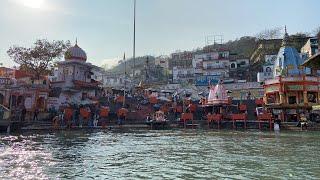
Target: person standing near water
{"points": [[61, 117], [95, 120], [81, 116], [74, 115], [277, 123], [23, 113], [88, 116], [303, 122], [35, 114], [122, 113]]}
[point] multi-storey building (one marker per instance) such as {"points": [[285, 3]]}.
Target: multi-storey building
{"points": [[181, 60], [182, 75], [162, 61], [311, 47], [211, 66], [239, 68], [180, 67], [19, 88]]}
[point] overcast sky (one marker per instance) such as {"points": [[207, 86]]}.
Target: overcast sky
{"points": [[104, 27]]}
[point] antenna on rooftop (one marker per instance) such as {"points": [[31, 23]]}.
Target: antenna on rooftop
{"points": [[213, 39]]}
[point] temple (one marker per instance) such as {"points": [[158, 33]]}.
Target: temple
{"points": [[293, 89], [72, 82], [218, 95]]}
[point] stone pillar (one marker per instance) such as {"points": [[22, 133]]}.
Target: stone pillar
{"points": [[282, 98], [305, 97]]}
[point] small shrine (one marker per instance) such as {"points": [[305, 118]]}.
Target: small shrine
{"points": [[218, 95]]}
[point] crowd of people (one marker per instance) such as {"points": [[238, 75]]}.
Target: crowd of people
{"points": [[72, 116]]}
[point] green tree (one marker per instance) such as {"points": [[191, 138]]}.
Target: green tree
{"points": [[40, 58]]}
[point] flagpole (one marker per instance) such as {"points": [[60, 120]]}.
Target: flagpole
{"points": [[125, 77], [134, 37]]}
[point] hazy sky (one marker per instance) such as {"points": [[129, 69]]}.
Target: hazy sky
{"points": [[104, 27]]}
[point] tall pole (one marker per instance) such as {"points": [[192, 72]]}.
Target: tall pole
{"points": [[134, 37], [125, 79]]}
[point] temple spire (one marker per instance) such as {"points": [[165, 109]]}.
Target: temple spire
{"points": [[285, 29], [285, 41]]}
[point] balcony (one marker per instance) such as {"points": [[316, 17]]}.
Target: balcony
{"points": [[312, 78]]}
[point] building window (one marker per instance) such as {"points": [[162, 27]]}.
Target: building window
{"points": [[40, 103], [292, 100], [65, 71], [280, 61], [268, 69], [312, 97], [233, 66]]}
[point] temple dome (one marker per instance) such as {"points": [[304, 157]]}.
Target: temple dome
{"points": [[288, 61], [75, 53]]}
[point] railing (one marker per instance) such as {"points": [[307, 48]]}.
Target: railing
{"points": [[292, 79], [272, 81], [312, 78], [187, 117], [214, 117], [265, 117], [239, 117]]}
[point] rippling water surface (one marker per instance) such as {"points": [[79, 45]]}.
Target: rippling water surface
{"points": [[160, 155]]}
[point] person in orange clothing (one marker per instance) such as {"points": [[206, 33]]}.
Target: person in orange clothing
{"points": [[122, 114], [192, 108], [104, 113], [84, 115], [68, 112], [81, 111]]}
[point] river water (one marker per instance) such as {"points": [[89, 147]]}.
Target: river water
{"points": [[170, 154]]}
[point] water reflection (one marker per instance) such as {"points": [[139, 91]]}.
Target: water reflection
{"points": [[160, 154]]}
